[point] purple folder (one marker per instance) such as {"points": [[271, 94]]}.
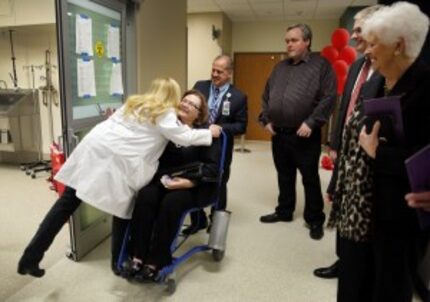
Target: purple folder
{"points": [[418, 169], [388, 106]]}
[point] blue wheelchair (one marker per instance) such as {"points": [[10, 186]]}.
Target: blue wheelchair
{"points": [[216, 242]]}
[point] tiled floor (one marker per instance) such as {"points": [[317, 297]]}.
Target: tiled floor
{"points": [[262, 263]]}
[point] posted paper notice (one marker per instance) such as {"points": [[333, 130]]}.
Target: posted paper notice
{"points": [[84, 35], [86, 78]]}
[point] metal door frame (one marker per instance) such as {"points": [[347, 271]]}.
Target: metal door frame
{"points": [[83, 241]]}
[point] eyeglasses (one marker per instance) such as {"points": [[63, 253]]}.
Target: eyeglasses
{"points": [[188, 102]]}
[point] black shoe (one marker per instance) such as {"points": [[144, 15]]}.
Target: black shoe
{"points": [[194, 227], [328, 272], [148, 274], [130, 268], [30, 269], [274, 217], [316, 231]]}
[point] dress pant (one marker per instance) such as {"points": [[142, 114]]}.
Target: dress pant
{"points": [[355, 271], [119, 227], [222, 204], [397, 251], [54, 220], [155, 222], [291, 153], [382, 269]]}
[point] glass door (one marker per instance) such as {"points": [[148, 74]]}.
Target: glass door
{"points": [[91, 44]]}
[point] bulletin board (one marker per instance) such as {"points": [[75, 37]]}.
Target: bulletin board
{"points": [[88, 105]]}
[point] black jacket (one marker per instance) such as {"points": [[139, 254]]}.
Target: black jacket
{"points": [[235, 123], [174, 156], [390, 178]]}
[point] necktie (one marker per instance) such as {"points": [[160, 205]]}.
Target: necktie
{"points": [[356, 91], [213, 112]]}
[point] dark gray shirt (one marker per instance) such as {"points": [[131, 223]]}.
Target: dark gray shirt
{"points": [[297, 93]]}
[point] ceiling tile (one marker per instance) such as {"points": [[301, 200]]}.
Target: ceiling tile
{"points": [[271, 18], [299, 9], [253, 10], [200, 6], [267, 6]]}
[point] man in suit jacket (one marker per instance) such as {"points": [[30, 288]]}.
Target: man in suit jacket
{"points": [[228, 110], [349, 98]]}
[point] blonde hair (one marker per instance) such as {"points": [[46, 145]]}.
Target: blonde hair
{"points": [[163, 95]]}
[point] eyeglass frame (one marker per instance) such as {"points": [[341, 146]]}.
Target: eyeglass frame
{"points": [[188, 102]]}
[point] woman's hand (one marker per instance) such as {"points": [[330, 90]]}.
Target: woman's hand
{"points": [[419, 200], [370, 142], [179, 183]]}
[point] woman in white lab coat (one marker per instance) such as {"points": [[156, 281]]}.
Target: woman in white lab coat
{"points": [[114, 160]]}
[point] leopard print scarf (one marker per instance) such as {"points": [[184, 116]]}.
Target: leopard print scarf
{"points": [[352, 206]]}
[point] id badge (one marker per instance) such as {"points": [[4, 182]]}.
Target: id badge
{"points": [[226, 108]]}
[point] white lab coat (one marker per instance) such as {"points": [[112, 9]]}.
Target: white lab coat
{"points": [[119, 156]]}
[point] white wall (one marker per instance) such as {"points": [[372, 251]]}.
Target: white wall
{"points": [[202, 49], [269, 36], [30, 44], [26, 12], [241, 37], [161, 35]]}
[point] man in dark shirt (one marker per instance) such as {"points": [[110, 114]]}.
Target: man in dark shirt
{"points": [[297, 101]]}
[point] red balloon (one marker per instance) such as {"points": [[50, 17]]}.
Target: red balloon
{"points": [[348, 54], [327, 163], [340, 68], [330, 53], [340, 85], [340, 38]]}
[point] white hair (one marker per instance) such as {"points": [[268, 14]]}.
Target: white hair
{"points": [[401, 20], [367, 12]]}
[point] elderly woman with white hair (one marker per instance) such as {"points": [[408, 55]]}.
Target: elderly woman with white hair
{"points": [[380, 239]]}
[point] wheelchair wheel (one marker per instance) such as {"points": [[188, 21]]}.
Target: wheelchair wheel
{"points": [[217, 255], [171, 286]]}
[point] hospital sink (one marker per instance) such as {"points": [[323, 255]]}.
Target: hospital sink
{"points": [[11, 100]]}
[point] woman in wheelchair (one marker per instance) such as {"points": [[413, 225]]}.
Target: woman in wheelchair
{"points": [[160, 205]]}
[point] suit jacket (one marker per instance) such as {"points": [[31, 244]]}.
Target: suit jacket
{"points": [[354, 71], [236, 121]]}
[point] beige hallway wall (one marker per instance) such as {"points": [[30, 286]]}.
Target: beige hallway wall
{"points": [[269, 36], [161, 41]]}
